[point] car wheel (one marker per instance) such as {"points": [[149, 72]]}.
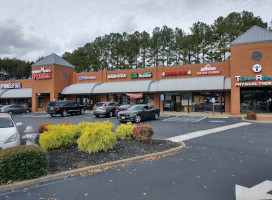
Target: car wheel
{"points": [[53, 115], [64, 113], [138, 119], [10, 112], [27, 111], [82, 111], [156, 116], [97, 116]]}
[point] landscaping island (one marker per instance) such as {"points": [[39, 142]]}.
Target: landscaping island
{"points": [[72, 158]]}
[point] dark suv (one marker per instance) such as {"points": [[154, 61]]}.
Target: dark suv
{"points": [[64, 108], [105, 108]]}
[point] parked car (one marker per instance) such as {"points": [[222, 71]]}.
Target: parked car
{"points": [[105, 108], [9, 134], [122, 108], [64, 108], [138, 113], [14, 109]]}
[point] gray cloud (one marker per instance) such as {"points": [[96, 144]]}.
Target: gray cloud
{"points": [[64, 25]]}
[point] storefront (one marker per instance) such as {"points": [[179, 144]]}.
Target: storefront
{"points": [[243, 84]]}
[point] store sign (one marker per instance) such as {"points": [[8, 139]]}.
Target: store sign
{"points": [[141, 75], [11, 86], [81, 78], [252, 81], [41, 74], [208, 70], [257, 68], [110, 76], [178, 73], [135, 96]]}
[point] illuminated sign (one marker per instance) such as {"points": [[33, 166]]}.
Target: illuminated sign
{"points": [[178, 73], [11, 85], [41, 74], [117, 76], [81, 78], [257, 68], [208, 70], [42, 70], [259, 78], [141, 75]]}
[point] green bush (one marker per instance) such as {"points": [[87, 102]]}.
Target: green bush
{"points": [[22, 162], [97, 137], [125, 132], [143, 133], [58, 136]]}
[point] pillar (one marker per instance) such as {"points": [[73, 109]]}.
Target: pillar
{"points": [[235, 101], [34, 105]]}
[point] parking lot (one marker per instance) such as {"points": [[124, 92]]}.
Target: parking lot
{"points": [[164, 127]]}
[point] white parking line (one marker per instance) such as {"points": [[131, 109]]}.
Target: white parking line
{"points": [[184, 119], [196, 134]]}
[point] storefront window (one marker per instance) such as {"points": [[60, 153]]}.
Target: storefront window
{"points": [[258, 100], [88, 100], [202, 102], [40, 102]]}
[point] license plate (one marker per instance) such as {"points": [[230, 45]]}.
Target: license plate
{"points": [[123, 117], [51, 108]]}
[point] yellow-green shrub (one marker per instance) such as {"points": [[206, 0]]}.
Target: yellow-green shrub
{"points": [[59, 136], [125, 132], [97, 137]]}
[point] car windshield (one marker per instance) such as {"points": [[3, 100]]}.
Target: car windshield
{"points": [[6, 122], [136, 108]]}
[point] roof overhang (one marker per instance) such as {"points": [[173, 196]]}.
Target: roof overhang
{"points": [[80, 88], [16, 93]]}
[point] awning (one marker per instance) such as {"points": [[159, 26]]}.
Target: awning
{"points": [[80, 88], [192, 84], [123, 87], [227, 83], [154, 86], [16, 93]]}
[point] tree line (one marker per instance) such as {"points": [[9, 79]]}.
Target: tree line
{"points": [[165, 46]]}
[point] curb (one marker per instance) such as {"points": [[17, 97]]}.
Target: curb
{"points": [[74, 172], [256, 121]]}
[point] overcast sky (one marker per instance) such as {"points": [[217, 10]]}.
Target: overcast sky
{"points": [[30, 29]]}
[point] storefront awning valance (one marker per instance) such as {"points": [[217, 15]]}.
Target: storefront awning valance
{"points": [[80, 88], [192, 84], [16, 93], [123, 87]]}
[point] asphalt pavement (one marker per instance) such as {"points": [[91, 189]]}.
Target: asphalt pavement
{"points": [[209, 168]]}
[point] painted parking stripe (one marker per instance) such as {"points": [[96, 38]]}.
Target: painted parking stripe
{"points": [[188, 136]]}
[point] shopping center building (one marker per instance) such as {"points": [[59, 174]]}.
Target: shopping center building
{"points": [[233, 86]]}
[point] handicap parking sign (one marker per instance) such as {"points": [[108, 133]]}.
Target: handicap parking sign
{"points": [[213, 100]]}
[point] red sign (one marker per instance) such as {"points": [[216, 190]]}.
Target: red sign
{"points": [[209, 72], [135, 96], [176, 73], [41, 76]]}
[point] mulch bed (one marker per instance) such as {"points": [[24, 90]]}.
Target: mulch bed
{"points": [[73, 158]]}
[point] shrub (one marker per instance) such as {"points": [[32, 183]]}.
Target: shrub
{"points": [[143, 133], [97, 137], [43, 127], [58, 136], [125, 132], [22, 162], [251, 115]]}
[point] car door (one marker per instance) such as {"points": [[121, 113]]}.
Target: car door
{"points": [[145, 113]]}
